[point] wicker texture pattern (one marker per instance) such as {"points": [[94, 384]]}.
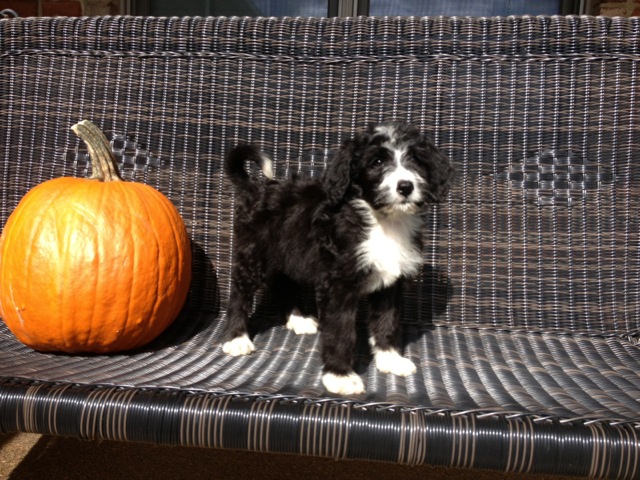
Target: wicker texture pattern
{"points": [[525, 319]]}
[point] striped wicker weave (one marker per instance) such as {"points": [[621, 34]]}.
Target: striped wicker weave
{"points": [[525, 320]]}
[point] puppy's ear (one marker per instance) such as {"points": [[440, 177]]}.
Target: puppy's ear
{"points": [[440, 172], [337, 177]]}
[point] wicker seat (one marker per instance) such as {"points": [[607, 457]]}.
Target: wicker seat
{"points": [[524, 322]]}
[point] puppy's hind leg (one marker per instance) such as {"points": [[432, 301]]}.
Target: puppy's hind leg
{"points": [[243, 286], [289, 295], [301, 324]]}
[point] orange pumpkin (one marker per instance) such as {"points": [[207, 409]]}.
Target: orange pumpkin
{"points": [[93, 264]]}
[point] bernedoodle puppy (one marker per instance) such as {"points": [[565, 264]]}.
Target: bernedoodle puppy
{"points": [[354, 233]]}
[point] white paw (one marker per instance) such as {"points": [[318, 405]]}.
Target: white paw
{"points": [[302, 325], [343, 384], [390, 361], [238, 346]]}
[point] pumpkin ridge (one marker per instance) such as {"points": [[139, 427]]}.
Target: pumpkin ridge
{"points": [[92, 323], [180, 258], [160, 272], [35, 233], [135, 187], [96, 280], [125, 326], [180, 237], [171, 211], [59, 279], [66, 285], [2, 240], [119, 194], [122, 198], [62, 289], [8, 239]]}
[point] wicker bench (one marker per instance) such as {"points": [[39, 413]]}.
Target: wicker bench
{"points": [[525, 319]]}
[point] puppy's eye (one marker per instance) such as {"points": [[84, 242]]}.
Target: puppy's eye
{"points": [[414, 160], [376, 162]]}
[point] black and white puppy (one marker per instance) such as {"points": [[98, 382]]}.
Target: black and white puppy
{"points": [[354, 233]]}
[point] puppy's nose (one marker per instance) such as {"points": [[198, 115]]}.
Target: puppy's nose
{"points": [[405, 188]]}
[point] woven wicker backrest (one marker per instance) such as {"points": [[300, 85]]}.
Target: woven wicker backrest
{"points": [[539, 115]]}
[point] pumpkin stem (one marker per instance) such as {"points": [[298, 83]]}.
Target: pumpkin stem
{"points": [[103, 162]]}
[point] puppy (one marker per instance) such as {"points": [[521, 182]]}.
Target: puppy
{"points": [[354, 233]]}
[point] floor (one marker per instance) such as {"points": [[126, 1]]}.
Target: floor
{"points": [[33, 457]]}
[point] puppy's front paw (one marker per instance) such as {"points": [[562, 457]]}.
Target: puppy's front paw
{"points": [[238, 346], [390, 361], [343, 384], [302, 325]]}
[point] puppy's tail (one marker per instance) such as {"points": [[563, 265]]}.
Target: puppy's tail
{"points": [[235, 169]]}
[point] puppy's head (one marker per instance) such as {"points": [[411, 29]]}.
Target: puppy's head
{"points": [[391, 166]]}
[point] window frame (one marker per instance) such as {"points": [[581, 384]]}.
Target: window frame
{"points": [[350, 8]]}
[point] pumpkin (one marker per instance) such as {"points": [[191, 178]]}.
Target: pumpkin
{"points": [[93, 264]]}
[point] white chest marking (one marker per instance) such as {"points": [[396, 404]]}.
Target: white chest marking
{"points": [[388, 251]]}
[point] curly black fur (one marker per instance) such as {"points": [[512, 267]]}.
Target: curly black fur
{"points": [[353, 233]]}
